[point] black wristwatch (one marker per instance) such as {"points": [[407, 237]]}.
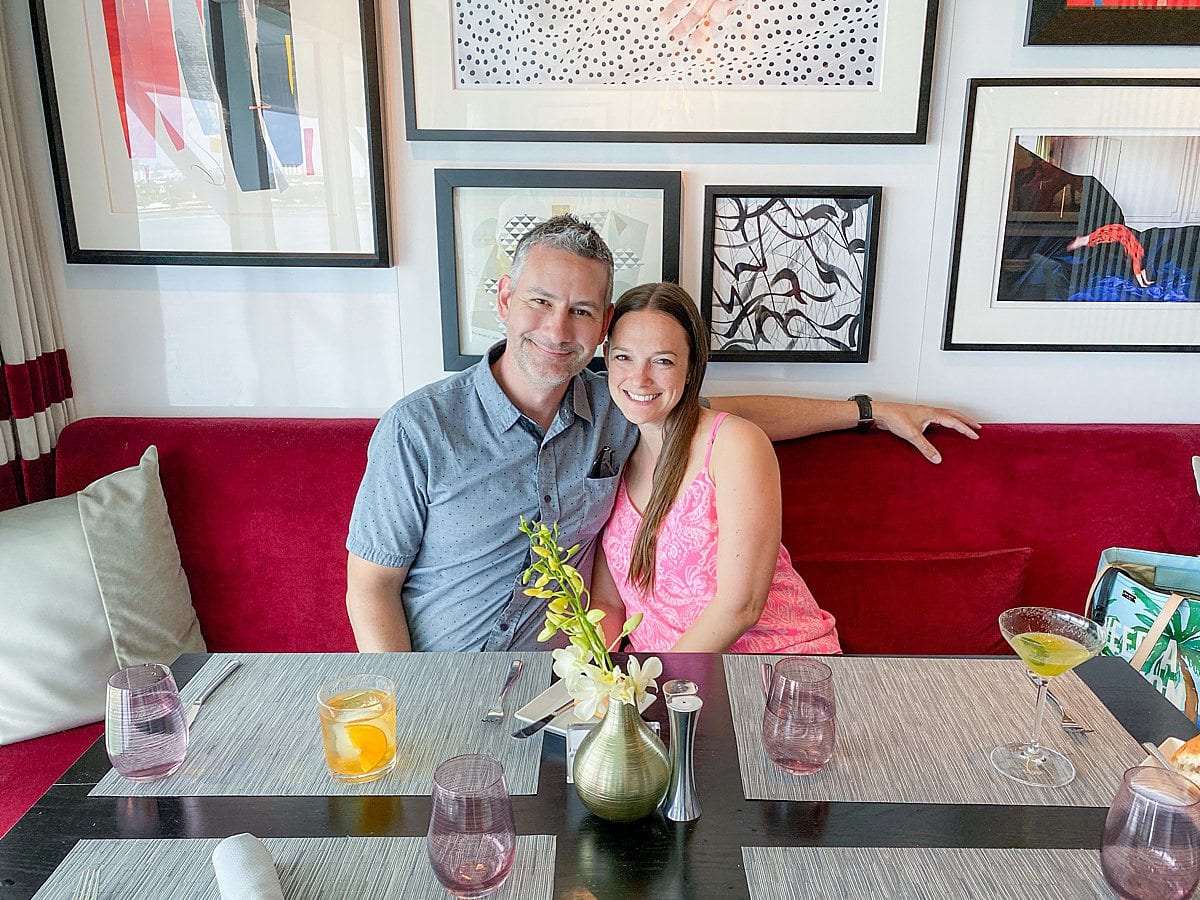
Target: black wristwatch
{"points": [[866, 415]]}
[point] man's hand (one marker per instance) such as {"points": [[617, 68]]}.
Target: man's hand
{"points": [[909, 421], [699, 19]]}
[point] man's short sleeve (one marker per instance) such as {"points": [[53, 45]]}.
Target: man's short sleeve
{"points": [[388, 521]]}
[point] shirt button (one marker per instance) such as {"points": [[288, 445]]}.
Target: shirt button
{"points": [[546, 499], [504, 626]]}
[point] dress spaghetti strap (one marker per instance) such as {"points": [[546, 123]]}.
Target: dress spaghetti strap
{"points": [[712, 437]]}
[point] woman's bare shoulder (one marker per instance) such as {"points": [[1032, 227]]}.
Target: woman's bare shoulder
{"points": [[740, 442]]}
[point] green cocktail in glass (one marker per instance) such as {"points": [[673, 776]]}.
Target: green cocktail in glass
{"points": [[1049, 642]]}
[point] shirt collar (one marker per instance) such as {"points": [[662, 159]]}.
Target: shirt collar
{"points": [[502, 411]]}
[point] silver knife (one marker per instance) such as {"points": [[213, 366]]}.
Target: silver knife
{"points": [[535, 727], [193, 709]]}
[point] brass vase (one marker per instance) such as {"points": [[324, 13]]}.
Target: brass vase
{"points": [[621, 769]]}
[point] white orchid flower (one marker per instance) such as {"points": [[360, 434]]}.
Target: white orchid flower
{"points": [[640, 679], [592, 691], [570, 660]]}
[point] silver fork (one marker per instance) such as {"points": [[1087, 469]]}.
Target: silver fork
{"points": [[1065, 721], [89, 885], [496, 713]]}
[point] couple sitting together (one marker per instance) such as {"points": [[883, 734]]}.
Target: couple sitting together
{"points": [[676, 506]]}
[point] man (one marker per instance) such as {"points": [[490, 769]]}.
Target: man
{"points": [[435, 557]]}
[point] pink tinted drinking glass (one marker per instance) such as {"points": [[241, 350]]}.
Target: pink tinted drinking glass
{"points": [[472, 835], [1151, 844], [144, 730], [800, 718]]}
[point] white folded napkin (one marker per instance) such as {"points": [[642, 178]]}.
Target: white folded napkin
{"points": [[245, 870]]}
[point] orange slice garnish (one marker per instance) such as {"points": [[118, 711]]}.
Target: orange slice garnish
{"points": [[371, 744]]}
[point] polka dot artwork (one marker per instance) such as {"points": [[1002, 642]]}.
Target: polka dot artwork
{"points": [[668, 42]]}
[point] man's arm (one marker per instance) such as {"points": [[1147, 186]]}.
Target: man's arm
{"points": [[783, 418], [373, 602]]}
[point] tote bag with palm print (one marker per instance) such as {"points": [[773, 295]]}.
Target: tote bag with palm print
{"points": [[1150, 605]]}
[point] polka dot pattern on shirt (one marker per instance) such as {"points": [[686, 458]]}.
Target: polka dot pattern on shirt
{"points": [[567, 42]]}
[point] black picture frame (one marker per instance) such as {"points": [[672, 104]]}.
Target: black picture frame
{"points": [[1051, 23], [651, 187], [988, 305], [846, 220], [688, 113], [359, 158]]}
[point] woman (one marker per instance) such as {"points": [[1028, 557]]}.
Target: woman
{"points": [[693, 539]]}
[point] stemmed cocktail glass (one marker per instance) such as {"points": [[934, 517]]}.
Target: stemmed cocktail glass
{"points": [[1050, 642]]}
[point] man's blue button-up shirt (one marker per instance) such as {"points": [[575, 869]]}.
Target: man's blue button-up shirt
{"points": [[450, 469]]}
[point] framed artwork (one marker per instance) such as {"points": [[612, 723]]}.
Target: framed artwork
{"points": [[1141, 22], [772, 71], [1078, 222], [215, 132], [789, 272], [483, 213]]}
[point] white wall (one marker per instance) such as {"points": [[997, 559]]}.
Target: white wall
{"points": [[197, 341]]}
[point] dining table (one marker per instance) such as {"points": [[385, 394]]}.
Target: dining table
{"points": [[843, 822]]}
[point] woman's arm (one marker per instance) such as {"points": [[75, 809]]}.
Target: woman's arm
{"points": [[749, 519], [604, 596]]}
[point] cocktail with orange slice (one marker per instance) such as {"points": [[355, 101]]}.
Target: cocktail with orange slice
{"points": [[358, 725]]}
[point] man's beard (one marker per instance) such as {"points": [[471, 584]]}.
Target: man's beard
{"points": [[543, 371]]}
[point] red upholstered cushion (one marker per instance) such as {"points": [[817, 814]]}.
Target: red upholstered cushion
{"points": [[1067, 491], [918, 602], [260, 509], [29, 768]]}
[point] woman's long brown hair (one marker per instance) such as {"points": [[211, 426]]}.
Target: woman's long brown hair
{"points": [[680, 427]]}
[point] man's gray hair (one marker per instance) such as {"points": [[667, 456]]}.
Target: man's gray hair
{"points": [[567, 233]]}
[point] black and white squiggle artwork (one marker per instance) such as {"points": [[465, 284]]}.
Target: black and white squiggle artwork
{"points": [[789, 274], [739, 43]]}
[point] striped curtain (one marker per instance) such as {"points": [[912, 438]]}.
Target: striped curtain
{"points": [[35, 383]]}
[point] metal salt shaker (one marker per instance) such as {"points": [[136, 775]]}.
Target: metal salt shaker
{"points": [[681, 803]]}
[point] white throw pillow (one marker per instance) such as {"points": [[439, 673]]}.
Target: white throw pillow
{"points": [[88, 583]]}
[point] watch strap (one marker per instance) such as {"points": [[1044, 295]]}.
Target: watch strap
{"points": [[866, 414]]}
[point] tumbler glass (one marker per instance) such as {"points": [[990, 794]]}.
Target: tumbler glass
{"points": [[358, 726], [1151, 844], [145, 733], [472, 836], [799, 723]]}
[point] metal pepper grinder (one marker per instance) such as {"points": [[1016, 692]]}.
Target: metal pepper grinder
{"points": [[681, 803]]}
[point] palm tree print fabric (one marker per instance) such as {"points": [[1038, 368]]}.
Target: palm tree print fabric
{"points": [[1128, 609]]}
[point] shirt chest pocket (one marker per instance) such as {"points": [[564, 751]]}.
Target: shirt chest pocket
{"points": [[595, 502]]}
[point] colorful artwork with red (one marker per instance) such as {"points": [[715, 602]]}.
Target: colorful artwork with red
{"points": [[1086, 223], [235, 64], [1133, 4]]}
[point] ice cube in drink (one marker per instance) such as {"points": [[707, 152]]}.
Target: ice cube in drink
{"points": [[358, 726]]}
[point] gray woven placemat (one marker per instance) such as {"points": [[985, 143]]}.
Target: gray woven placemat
{"points": [[308, 868], [913, 730], [922, 873], [259, 734]]}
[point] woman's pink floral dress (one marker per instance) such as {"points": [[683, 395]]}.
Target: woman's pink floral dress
{"points": [[686, 578]]}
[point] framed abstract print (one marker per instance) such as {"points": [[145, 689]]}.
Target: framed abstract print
{"points": [[775, 71], [215, 132], [1138, 22], [789, 272], [1078, 223], [483, 213]]}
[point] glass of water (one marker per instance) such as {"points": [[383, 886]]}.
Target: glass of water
{"points": [[472, 835], [1151, 844], [800, 719], [145, 733]]}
